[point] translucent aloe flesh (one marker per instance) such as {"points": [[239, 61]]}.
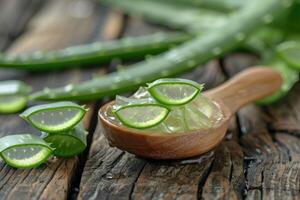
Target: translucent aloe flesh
{"points": [[13, 96], [54, 117], [200, 113], [139, 114], [182, 58], [24, 151], [174, 91], [68, 143]]}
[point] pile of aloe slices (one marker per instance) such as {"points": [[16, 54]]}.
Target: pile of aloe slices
{"points": [[62, 135], [168, 105]]}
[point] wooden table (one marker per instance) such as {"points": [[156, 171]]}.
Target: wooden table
{"points": [[259, 159]]}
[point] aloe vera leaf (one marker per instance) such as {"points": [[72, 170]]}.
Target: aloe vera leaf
{"points": [[263, 40], [68, 143], [175, 16], [221, 5], [13, 96], [289, 75], [125, 48], [185, 57], [54, 117], [16, 150], [100, 52], [289, 51]]}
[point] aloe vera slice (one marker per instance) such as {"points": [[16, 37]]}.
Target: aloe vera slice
{"points": [[174, 91], [140, 113], [68, 143], [54, 117], [13, 96], [24, 151]]}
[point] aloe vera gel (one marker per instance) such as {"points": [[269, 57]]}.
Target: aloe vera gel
{"points": [[168, 106]]}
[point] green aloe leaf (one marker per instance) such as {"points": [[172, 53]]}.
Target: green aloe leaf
{"points": [[290, 52]]}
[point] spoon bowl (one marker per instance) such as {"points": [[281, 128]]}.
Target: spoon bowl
{"points": [[163, 145], [249, 85]]}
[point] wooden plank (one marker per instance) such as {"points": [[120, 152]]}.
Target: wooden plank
{"points": [[271, 161], [58, 25], [285, 114]]}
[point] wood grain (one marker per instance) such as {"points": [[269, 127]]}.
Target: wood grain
{"points": [[271, 158]]}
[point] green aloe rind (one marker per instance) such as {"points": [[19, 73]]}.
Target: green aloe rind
{"points": [[289, 51], [125, 48], [221, 5], [13, 96], [100, 52], [153, 89], [185, 57], [68, 143], [138, 109], [174, 16], [61, 108], [24, 140], [289, 75]]}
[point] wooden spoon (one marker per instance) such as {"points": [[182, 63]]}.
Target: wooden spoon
{"points": [[247, 86]]}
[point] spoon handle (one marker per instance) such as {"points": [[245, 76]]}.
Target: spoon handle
{"points": [[247, 86]]}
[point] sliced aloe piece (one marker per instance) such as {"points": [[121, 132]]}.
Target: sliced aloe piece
{"points": [[13, 96], [290, 53], [174, 91], [68, 143], [12, 103], [24, 151], [54, 117], [140, 113]]}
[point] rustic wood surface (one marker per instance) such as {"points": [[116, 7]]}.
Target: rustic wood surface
{"points": [[258, 159]]}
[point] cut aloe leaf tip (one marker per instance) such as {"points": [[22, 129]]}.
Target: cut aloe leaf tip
{"points": [[174, 91], [54, 117], [24, 151], [13, 96]]}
